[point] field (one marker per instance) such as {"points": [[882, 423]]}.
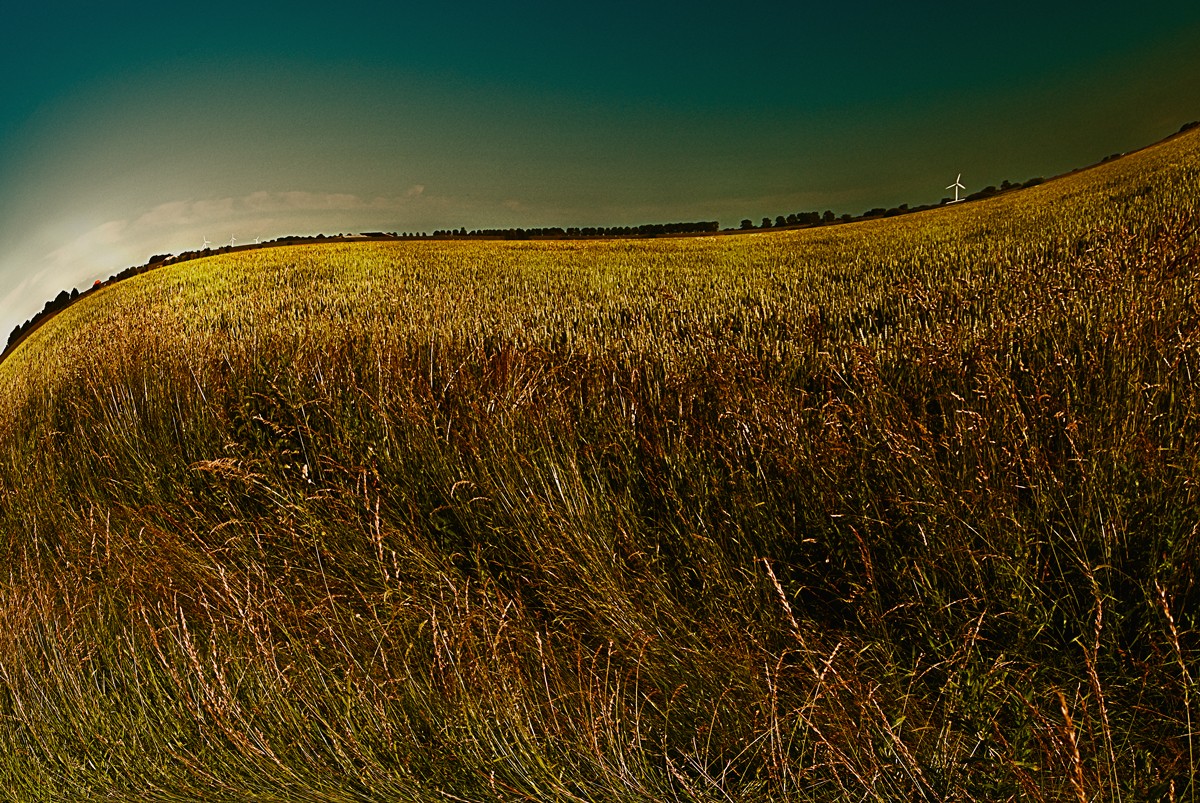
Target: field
{"points": [[905, 509]]}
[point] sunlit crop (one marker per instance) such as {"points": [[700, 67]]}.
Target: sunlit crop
{"points": [[901, 509]]}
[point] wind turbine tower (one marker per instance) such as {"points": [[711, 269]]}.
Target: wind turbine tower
{"points": [[956, 186], [231, 241]]}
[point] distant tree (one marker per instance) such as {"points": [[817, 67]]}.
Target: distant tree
{"points": [[747, 223], [847, 217], [792, 220], [829, 217], [986, 192], [781, 221], [1189, 126], [766, 224]]}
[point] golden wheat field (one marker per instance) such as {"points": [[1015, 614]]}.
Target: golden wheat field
{"points": [[976, 267], [893, 510]]}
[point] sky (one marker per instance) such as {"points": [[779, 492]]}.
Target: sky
{"points": [[131, 129]]}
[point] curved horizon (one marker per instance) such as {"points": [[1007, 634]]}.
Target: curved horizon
{"points": [[66, 298], [135, 131]]}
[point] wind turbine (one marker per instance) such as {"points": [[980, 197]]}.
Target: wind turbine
{"points": [[956, 186], [231, 241], [206, 243]]}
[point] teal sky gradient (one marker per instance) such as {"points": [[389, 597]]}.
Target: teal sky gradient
{"points": [[133, 129]]}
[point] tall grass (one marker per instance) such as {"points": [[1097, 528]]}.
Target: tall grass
{"points": [[898, 510]]}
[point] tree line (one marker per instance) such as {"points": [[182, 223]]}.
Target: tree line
{"points": [[802, 220], [571, 232], [56, 304]]}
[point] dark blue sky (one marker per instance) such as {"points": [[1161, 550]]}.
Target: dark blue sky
{"points": [[137, 129]]}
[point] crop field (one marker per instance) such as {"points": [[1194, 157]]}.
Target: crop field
{"points": [[905, 509]]}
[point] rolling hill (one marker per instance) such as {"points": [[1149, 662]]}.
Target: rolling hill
{"points": [[902, 509]]}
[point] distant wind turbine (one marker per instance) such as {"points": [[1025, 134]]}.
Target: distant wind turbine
{"points": [[206, 243], [956, 186], [231, 241]]}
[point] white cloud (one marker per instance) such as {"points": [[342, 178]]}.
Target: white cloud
{"points": [[122, 241], [221, 210], [46, 267], [97, 241], [176, 213], [14, 298], [309, 201]]}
